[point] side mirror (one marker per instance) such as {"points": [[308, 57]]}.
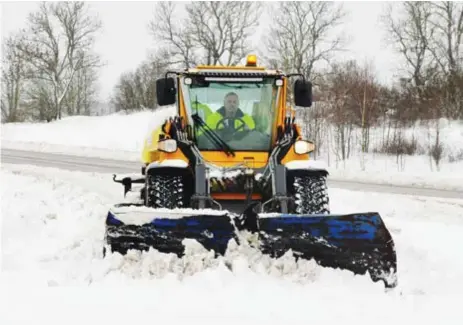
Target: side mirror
{"points": [[165, 91], [303, 93]]}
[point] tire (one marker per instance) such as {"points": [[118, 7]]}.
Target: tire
{"points": [[311, 194], [165, 191]]}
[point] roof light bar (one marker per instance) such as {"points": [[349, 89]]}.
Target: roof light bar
{"points": [[233, 79]]}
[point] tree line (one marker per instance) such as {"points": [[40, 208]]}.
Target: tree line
{"points": [[49, 68]]}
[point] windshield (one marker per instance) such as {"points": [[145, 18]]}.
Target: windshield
{"points": [[241, 114]]}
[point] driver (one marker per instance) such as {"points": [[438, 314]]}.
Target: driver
{"points": [[230, 112]]}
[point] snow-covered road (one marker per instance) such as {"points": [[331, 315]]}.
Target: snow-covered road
{"points": [[52, 233]]}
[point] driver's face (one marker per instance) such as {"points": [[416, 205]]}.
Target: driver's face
{"points": [[231, 104]]}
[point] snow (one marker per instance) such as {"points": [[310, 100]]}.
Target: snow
{"points": [[52, 235], [118, 135], [217, 172], [407, 170], [179, 163], [139, 215], [132, 176], [381, 169], [306, 164]]}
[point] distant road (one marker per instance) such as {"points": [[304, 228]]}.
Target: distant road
{"points": [[101, 165], [69, 162]]}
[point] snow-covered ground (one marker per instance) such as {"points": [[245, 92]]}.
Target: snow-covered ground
{"points": [[382, 169], [121, 136], [52, 233], [415, 170], [118, 136]]}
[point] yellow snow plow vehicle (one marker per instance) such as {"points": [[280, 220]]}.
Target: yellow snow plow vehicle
{"points": [[233, 161]]}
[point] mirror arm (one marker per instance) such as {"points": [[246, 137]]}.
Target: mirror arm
{"points": [[296, 74], [170, 72]]}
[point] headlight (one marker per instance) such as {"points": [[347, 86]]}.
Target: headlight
{"points": [[167, 145], [302, 147]]}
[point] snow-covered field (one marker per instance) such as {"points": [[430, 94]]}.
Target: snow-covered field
{"points": [[52, 233], [121, 136]]}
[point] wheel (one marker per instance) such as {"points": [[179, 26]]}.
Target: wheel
{"points": [[167, 190], [164, 191], [311, 194]]}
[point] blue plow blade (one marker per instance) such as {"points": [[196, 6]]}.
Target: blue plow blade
{"points": [[358, 242], [166, 234]]}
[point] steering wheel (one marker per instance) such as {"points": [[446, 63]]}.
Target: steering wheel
{"points": [[235, 131]]}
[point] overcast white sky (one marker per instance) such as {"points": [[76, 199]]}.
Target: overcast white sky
{"points": [[125, 41]]}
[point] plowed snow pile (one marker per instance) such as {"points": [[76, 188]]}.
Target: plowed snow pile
{"points": [[52, 235]]}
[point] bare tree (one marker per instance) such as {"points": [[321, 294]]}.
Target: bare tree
{"points": [[12, 79], [124, 97], [212, 33], [436, 97], [57, 44], [302, 34], [221, 29], [175, 37], [137, 90], [447, 45], [447, 49], [81, 96], [314, 124], [337, 89], [410, 33], [39, 104], [365, 99]]}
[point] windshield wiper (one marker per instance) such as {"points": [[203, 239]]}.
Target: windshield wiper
{"points": [[212, 135]]}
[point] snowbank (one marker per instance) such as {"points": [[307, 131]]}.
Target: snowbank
{"points": [[55, 241], [414, 171], [118, 135]]}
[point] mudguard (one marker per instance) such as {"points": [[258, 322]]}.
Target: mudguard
{"points": [[166, 163]]}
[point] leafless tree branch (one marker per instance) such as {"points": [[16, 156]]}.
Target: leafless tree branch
{"points": [[410, 34], [212, 32], [302, 34], [13, 76], [137, 90], [176, 38], [57, 44]]}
